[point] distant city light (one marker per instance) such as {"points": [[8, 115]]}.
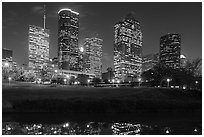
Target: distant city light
{"points": [[113, 80], [81, 49], [66, 125], [65, 80], [196, 82], [8, 128], [167, 131], [9, 78], [6, 64]]}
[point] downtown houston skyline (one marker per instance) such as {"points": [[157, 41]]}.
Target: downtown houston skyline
{"points": [[156, 20]]}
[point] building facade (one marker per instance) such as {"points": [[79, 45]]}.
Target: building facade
{"points": [[127, 49], [183, 60], [38, 41], [149, 61], [68, 31], [170, 50], [108, 76], [93, 56]]}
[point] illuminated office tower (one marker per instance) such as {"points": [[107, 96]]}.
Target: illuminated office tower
{"points": [[93, 56], [38, 42], [68, 30], [127, 49], [170, 50]]}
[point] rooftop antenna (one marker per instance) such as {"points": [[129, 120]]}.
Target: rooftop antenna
{"points": [[44, 16]]}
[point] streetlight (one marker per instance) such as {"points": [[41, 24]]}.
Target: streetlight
{"points": [[88, 82], [65, 80], [139, 79], [196, 82], [113, 80], [39, 80], [168, 80], [9, 78]]}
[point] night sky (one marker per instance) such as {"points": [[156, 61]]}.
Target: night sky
{"points": [[156, 19]]}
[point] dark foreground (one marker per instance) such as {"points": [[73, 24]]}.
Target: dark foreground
{"points": [[140, 110], [100, 100]]}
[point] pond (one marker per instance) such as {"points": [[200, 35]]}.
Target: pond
{"points": [[99, 124]]}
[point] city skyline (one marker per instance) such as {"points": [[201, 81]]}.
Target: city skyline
{"points": [[94, 20]]}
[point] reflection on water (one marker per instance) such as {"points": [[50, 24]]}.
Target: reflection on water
{"points": [[97, 128]]}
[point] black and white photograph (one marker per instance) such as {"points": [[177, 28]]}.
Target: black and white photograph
{"points": [[101, 68]]}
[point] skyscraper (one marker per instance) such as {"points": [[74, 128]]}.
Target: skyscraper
{"points": [[38, 42], [68, 30], [170, 50], [127, 49], [93, 56]]}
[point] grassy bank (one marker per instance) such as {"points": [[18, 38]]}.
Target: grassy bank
{"points": [[100, 100]]}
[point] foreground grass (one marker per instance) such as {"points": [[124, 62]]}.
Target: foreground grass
{"points": [[100, 100]]}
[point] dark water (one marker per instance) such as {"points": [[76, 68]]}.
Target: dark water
{"points": [[55, 124]]}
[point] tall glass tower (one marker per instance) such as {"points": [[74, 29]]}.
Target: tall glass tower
{"points": [[93, 56], [127, 49], [170, 50], [68, 30]]}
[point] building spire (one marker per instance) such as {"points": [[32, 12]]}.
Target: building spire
{"points": [[44, 16]]}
